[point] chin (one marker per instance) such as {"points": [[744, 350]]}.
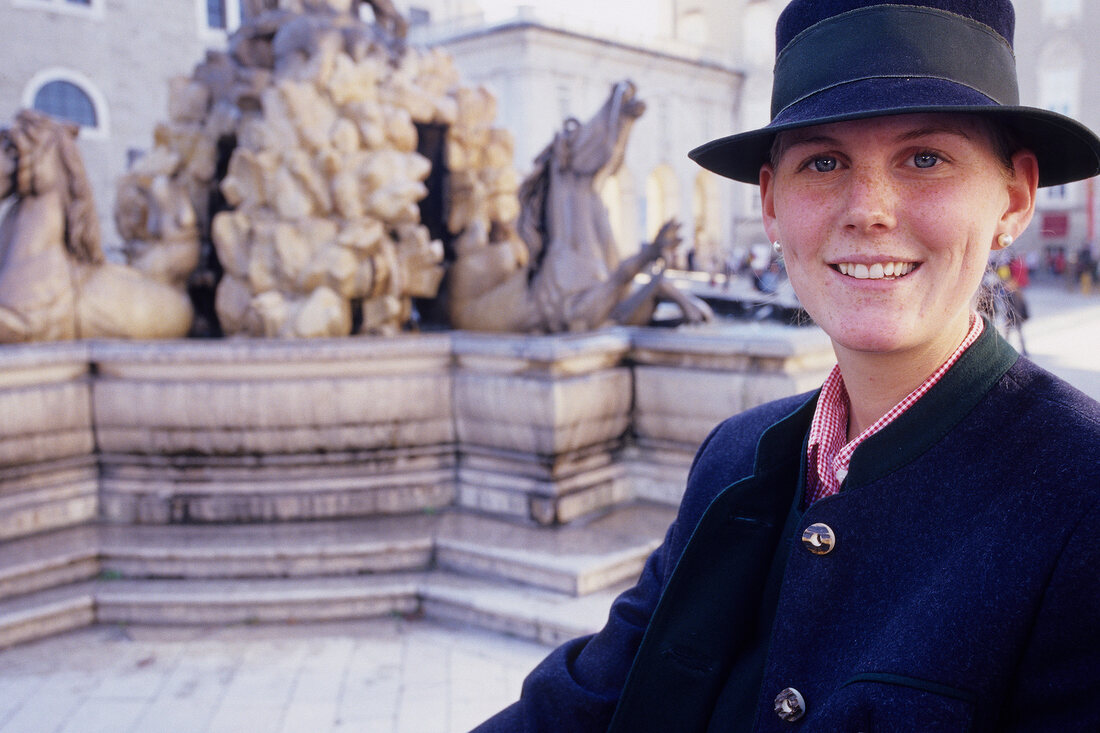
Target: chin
{"points": [[866, 336]]}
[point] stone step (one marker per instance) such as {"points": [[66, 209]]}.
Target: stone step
{"points": [[172, 490], [575, 559], [46, 496], [547, 584], [46, 612], [48, 560], [523, 611], [237, 601], [275, 550], [527, 612]]}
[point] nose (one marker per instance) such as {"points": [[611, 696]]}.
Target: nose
{"points": [[871, 200]]}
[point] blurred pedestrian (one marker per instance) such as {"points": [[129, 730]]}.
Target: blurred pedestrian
{"points": [[1015, 311]]}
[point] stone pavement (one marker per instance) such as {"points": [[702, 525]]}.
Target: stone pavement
{"points": [[1063, 334], [388, 675]]}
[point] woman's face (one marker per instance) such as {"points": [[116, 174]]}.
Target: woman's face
{"points": [[886, 224]]}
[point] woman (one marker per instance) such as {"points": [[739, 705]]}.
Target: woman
{"points": [[909, 548]]}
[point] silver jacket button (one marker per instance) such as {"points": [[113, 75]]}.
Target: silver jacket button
{"points": [[819, 539], [789, 705]]}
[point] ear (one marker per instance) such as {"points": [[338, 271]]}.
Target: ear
{"points": [[767, 202], [1022, 188]]}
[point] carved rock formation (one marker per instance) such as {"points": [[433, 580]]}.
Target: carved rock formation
{"points": [[316, 217]]}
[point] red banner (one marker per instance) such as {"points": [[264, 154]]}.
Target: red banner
{"points": [[1055, 225]]}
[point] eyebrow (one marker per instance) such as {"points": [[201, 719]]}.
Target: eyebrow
{"points": [[791, 139], [933, 130]]}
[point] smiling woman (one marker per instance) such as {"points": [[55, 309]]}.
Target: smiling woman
{"points": [[923, 196], [850, 559]]}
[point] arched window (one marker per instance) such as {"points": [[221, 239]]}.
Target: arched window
{"points": [[704, 210], [661, 198], [215, 14], [222, 16], [1060, 65], [67, 101]]}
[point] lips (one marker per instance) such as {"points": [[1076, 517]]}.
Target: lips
{"points": [[876, 271]]}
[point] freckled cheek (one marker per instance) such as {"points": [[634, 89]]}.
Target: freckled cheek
{"points": [[948, 230], [803, 226]]}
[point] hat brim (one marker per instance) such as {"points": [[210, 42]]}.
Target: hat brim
{"points": [[1067, 150]]}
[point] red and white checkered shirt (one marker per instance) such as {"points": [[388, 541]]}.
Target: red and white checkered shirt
{"points": [[828, 457]]}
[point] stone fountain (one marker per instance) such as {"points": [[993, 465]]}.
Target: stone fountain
{"points": [[511, 479]]}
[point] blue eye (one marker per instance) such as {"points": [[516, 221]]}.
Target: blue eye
{"points": [[824, 165], [925, 160]]}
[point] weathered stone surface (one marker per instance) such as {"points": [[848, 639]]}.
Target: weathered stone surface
{"points": [[541, 420], [242, 452], [48, 559], [48, 476], [687, 382], [324, 185], [47, 496], [46, 613], [288, 430]]}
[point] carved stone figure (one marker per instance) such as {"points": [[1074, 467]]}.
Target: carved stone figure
{"points": [[322, 229], [255, 44], [388, 18], [54, 282], [157, 221], [561, 269], [306, 154]]}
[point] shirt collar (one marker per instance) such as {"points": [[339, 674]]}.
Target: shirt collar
{"points": [[829, 453]]}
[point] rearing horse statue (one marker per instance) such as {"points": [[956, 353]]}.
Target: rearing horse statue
{"points": [[54, 281], [564, 272]]}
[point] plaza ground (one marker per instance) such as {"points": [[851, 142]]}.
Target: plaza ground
{"points": [[389, 675]]}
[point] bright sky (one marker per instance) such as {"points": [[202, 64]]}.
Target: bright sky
{"points": [[636, 16]]}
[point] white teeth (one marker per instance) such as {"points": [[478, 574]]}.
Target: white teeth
{"points": [[877, 271]]}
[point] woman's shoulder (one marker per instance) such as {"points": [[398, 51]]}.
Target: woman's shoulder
{"points": [[744, 430], [1055, 402], [729, 452], [1053, 429]]}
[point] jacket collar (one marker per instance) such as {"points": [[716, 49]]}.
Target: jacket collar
{"points": [[937, 412]]}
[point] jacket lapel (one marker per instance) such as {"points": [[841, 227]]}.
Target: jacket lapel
{"points": [[708, 611]]}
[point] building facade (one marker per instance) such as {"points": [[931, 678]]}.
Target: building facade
{"points": [[105, 64], [702, 66], [549, 63], [1056, 63]]}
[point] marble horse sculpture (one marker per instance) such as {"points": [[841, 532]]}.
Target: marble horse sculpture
{"points": [[54, 281], [560, 270]]}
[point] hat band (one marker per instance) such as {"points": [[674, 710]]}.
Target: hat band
{"points": [[894, 41]]}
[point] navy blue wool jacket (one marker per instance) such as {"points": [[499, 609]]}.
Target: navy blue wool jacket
{"points": [[961, 595]]}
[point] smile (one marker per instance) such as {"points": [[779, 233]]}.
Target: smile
{"points": [[877, 271]]}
